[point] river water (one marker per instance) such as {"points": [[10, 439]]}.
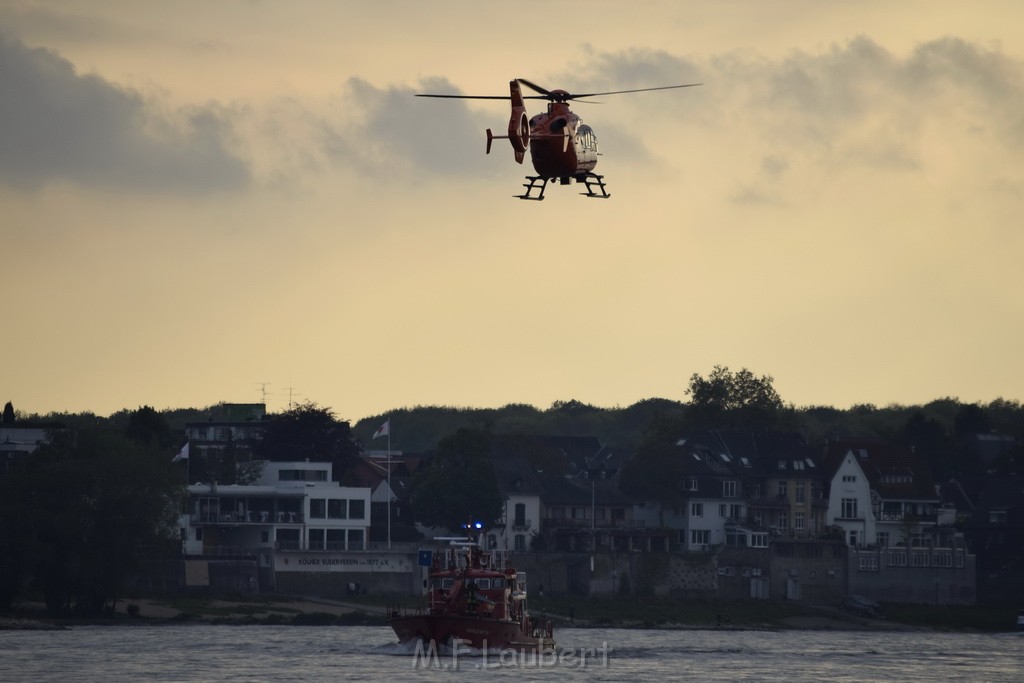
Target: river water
{"points": [[358, 653]]}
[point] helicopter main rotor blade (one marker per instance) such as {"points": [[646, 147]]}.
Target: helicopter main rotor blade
{"points": [[466, 97], [577, 96], [553, 96], [480, 97], [536, 88]]}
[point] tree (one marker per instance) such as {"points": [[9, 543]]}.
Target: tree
{"points": [[86, 507], [459, 484], [738, 399], [149, 428], [655, 471], [8, 418], [308, 432]]}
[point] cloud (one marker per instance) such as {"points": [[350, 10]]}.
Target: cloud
{"points": [[389, 130], [59, 125]]}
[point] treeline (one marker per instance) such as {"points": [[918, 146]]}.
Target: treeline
{"points": [[937, 424], [79, 513]]}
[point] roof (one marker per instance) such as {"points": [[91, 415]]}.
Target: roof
{"points": [[516, 476], [563, 491], [895, 472], [750, 454]]}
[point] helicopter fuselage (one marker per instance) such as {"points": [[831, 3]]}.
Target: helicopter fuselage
{"points": [[561, 145]]}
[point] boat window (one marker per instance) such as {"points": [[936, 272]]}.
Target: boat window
{"points": [[497, 583], [483, 583], [446, 583]]}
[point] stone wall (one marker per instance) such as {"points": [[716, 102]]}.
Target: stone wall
{"points": [[884, 576], [808, 571]]}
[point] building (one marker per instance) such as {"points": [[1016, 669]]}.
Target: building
{"points": [[293, 507], [227, 436], [879, 493], [18, 442]]}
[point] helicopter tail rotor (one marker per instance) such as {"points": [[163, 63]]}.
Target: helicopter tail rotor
{"points": [[518, 125]]}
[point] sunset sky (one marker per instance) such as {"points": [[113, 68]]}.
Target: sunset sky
{"points": [[199, 198]]}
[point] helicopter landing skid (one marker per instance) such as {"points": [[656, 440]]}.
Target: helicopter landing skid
{"points": [[592, 180], [536, 181]]}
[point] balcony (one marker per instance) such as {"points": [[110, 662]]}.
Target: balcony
{"points": [[250, 517], [584, 524]]}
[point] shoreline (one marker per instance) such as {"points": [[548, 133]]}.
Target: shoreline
{"points": [[317, 611]]}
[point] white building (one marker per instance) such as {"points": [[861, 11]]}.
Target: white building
{"points": [[293, 506], [849, 502]]}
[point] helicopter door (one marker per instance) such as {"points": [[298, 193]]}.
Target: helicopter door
{"points": [[586, 149]]}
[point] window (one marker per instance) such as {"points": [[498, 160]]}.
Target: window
{"points": [[579, 513], [288, 539], [356, 510], [849, 508], [782, 521], [302, 475], [759, 540], [700, 536], [337, 508], [520, 542], [883, 539], [316, 539], [691, 484], [265, 536], [783, 489], [697, 509], [355, 538], [800, 493], [853, 539], [730, 489], [317, 508], [997, 516], [867, 562], [849, 479], [335, 539], [520, 519], [721, 510], [798, 521], [735, 511], [782, 464]]}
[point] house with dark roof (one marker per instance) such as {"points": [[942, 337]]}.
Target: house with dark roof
{"points": [[589, 515], [560, 489], [880, 493], [519, 483]]}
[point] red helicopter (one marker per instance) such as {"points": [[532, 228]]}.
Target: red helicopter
{"points": [[561, 146]]}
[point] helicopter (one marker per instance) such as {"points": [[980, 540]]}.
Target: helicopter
{"points": [[561, 146]]}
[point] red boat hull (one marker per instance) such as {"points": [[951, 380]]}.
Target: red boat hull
{"points": [[477, 632]]}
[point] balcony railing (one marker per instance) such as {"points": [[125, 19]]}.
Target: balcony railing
{"points": [[562, 522], [251, 517]]}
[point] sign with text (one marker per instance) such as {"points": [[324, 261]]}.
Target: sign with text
{"points": [[341, 562]]}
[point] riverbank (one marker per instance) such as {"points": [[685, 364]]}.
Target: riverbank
{"points": [[633, 612]]}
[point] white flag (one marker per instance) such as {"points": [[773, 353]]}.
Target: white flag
{"points": [[182, 454], [384, 430]]}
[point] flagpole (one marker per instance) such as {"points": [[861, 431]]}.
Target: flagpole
{"points": [[389, 483]]}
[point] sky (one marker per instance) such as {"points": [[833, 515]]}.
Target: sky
{"points": [[239, 201]]}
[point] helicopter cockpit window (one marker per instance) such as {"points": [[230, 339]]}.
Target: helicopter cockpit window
{"points": [[587, 138]]}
